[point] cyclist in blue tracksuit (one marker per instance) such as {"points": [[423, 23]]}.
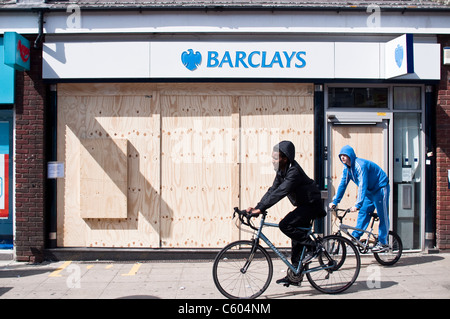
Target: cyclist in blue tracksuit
{"points": [[373, 192]]}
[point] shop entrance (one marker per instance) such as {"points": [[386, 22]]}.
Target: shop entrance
{"points": [[383, 124], [6, 218]]}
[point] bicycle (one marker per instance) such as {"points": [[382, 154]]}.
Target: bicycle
{"points": [[243, 269], [387, 258]]}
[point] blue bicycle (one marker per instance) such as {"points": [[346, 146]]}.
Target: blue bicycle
{"points": [[243, 269]]}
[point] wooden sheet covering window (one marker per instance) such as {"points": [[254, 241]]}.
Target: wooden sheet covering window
{"points": [[163, 165]]}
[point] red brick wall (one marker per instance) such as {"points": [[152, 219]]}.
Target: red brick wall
{"points": [[30, 161], [443, 155]]}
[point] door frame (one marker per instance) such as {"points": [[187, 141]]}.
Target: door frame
{"points": [[363, 116], [384, 125]]}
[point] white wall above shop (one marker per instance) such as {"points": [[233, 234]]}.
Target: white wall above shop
{"points": [[292, 22]]}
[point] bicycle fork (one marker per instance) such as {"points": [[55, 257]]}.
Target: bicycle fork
{"points": [[250, 258]]}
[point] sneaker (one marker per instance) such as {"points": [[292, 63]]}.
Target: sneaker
{"points": [[286, 282], [380, 248]]}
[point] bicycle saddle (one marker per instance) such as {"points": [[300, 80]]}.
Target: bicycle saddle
{"points": [[374, 215]]}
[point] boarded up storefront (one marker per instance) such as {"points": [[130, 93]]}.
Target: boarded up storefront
{"points": [[163, 165]]}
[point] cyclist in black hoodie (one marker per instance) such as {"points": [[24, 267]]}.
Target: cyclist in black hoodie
{"points": [[302, 191]]}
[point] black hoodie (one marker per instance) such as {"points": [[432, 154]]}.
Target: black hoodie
{"points": [[291, 182]]}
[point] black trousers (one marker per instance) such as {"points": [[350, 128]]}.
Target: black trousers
{"points": [[302, 216]]}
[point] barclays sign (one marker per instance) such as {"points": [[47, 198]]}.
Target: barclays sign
{"points": [[242, 59], [204, 59]]}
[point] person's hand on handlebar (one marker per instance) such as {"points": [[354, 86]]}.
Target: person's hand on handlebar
{"points": [[354, 209], [332, 206], [253, 211]]}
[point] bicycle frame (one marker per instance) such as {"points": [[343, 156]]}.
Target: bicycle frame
{"points": [[346, 228], [370, 233], [298, 270]]}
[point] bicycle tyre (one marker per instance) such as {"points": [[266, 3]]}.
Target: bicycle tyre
{"points": [[395, 250], [337, 266], [228, 274]]}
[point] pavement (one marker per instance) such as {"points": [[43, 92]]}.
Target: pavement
{"points": [[415, 276]]}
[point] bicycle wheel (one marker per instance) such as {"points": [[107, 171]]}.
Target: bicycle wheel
{"points": [[394, 253], [242, 272], [337, 266]]}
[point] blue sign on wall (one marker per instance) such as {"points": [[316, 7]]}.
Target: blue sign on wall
{"points": [[17, 51], [7, 74]]}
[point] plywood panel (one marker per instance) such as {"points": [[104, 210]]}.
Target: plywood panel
{"points": [[267, 120], [193, 153], [197, 166], [368, 143], [103, 178], [85, 114]]}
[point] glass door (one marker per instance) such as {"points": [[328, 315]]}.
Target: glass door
{"points": [[407, 208]]}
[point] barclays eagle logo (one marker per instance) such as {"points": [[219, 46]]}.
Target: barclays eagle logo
{"points": [[399, 55], [191, 60]]}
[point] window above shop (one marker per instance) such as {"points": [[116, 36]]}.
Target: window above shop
{"points": [[358, 97], [407, 98]]}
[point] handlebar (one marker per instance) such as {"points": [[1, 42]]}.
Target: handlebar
{"points": [[337, 210], [346, 211], [245, 217]]}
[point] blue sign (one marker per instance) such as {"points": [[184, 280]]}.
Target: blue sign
{"points": [[399, 56], [17, 51], [7, 76]]}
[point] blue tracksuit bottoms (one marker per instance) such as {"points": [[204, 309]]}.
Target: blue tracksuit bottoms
{"points": [[379, 200]]}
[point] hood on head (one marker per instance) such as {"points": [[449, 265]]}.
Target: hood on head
{"points": [[348, 150], [287, 148]]}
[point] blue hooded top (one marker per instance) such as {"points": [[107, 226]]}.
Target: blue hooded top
{"points": [[368, 176]]}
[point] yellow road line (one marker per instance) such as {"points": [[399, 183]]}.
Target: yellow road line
{"points": [[57, 272], [108, 267], [133, 270]]}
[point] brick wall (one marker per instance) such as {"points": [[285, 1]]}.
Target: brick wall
{"points": [[30, 161], [443, 155]]}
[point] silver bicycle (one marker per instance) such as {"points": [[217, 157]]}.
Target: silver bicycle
{"points": [[365, 245]]}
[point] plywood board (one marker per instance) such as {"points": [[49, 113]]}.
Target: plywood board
{"points": [[110, 112], [103, 178], [188, 150], [267, 120], [197, 168]]}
